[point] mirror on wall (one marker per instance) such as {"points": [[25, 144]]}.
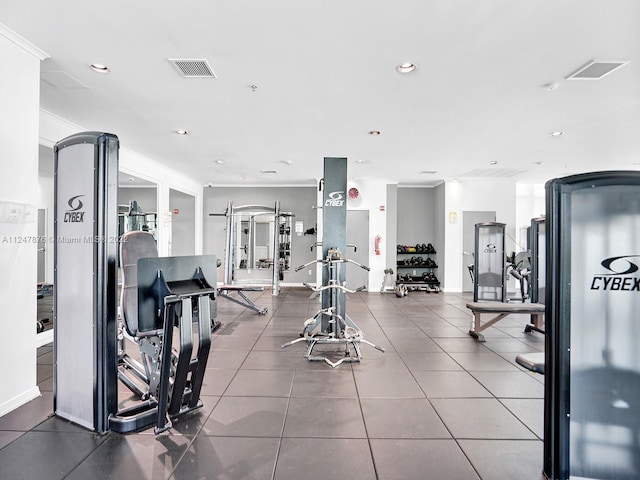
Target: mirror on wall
{"points": [[254, 232], [137, 204], [44, 287], [258, 239]]}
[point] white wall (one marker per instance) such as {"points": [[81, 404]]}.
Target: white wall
{"points": [[54, 128], [530, 203], [19, 104], [494, 194], [373, 195]]}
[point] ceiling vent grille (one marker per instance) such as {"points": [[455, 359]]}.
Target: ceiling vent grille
{"points": [[593, 70], [193, 67], [493, 172]]}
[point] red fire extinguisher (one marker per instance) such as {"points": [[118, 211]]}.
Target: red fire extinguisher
{"points": [[377, 244]]}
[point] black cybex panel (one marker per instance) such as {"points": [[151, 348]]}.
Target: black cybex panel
{"points": [[592, 374]]}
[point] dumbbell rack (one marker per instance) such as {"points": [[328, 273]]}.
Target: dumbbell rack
{"points": [[331, 325], [418, 257]]}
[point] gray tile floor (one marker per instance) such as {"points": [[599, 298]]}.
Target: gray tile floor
{"points": [[436, 405]]}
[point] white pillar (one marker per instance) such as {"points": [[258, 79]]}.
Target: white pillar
{"points": [[19, 112]]}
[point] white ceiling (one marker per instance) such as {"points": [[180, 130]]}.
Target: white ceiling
{"points": [[325, 76]]}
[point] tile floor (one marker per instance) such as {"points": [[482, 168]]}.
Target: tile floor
{"points": [[436, 405]]}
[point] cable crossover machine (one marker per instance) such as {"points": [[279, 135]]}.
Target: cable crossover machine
{"points": [[331, 326]]}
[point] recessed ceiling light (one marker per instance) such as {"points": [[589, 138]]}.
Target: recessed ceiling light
{"points": [[131, 179], [428, 172], [493, 162], [537, 164], [219, 161], [557, 133], [360, 161], [374, 132], [407, 67], [287, 162], [100, 68], [182, 132]]}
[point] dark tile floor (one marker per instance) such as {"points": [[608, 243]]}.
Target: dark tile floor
{"points": [[436, 405]]}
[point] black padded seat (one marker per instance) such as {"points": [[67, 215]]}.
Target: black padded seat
{"points": [[133, 246], [532, 361]]}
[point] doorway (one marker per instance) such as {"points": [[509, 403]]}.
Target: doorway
{"points": [[469, 220]]}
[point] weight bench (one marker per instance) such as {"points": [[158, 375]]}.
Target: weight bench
{"points": [[225, 292], [532, 361], [536, 310]]}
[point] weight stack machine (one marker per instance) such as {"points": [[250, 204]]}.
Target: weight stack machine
{"points": [[592, 361], [85, 302], [489, 263], [331, 326], [85, 279]]}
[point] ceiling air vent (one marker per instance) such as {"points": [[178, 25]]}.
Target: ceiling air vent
{"points": [[595, 70], [193, 67], [271, 172]]}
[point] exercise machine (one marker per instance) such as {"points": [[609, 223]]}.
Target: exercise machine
{"points": [[331, 326], [172, 295], [489, 273], [160, 297], [489, 263], [592, 372], [519, 267], [257, 239]]}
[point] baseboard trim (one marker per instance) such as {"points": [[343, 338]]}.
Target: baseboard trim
{"points": [[19, 400]]}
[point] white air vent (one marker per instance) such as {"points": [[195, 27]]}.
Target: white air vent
{"points": [[272, 172], [193, 67], [593, 70], [493, 172]]}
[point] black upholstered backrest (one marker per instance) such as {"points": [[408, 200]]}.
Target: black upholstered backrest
{"points": [[133, 246]]}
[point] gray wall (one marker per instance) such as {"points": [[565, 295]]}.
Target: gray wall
{"points": [[183, 225], [298, 200], [415, 216]]}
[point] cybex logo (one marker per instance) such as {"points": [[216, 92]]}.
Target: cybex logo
{"points": [[74, 215], [490, 248], [336, 199], [618, 279]]}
